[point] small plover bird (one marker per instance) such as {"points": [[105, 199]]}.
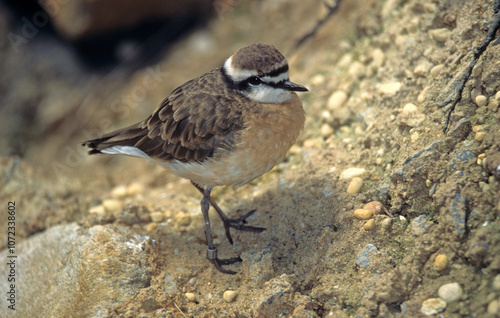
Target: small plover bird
{"points": [[226, 127]]}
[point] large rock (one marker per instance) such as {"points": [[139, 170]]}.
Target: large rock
{"points": [[78, 18], [69, 270]]}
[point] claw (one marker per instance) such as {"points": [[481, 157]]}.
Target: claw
{"points": [[212, 257], [238, 224]]}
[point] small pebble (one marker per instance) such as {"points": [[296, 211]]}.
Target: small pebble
{"points": [[183, 219], [480, 136], [433, 306], [356, 69], [336, 100], [98, 209], [496, 283], [378, 57], [375, 206], [441, 262], [440, 35], [355, 185], [436, 70], [423, 94], [386, 223], [350, 173], [192, 281], [119, 192], [318, 79], [493, 105], [389, 88], [326, 130], [430, 7], [493, 307], [151, 227], [450, 292], [191, 297], [112, 205], [229, 296], [411, 116], [481, 100], [477, 128], [135, 188], [480, 158], [369, 225], [157, 216], [422, 69], [363, 214], [497, 95]]}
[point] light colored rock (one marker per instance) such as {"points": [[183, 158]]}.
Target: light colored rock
{"points": [[336, 100], [493, 105], [350, 173], [157, 216], [134, 189], [450, 292], [229, 296], [119, 192], [479, 136], [326, 130], [432, 306], [183, 219], [191, 297], [98, 209], [375, 206], [441, 262], [411, 116], [493, 307], [440, 35], [481, 100], [496, 283], [363, 214], [378, 57], [355, 185], [389, 88], [369, 225], [436, 70], [70, 269], [422, 69], [112, 205]]}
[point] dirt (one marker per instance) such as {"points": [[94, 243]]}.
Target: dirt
{"points": [[383, 56]]}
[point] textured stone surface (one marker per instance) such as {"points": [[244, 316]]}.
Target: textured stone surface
{"points": [[69, 269]]}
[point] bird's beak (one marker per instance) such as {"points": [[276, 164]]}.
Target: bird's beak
{"points": [[289, 86]]}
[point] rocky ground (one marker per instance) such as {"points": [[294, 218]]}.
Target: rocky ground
{"points": [[108, 236]]}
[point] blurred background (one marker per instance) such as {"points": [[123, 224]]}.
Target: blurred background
{"points": [[74, 69]]}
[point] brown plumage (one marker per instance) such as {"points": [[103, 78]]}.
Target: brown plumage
{"points": [[189, 125], [225, 127]]}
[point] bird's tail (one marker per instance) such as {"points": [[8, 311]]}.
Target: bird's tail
{"points": [[119, 139]]}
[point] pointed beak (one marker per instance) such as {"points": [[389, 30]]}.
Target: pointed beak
{"points": [[289, 86]]}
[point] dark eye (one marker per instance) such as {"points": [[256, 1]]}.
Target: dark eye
{"points": [[254, 81]]}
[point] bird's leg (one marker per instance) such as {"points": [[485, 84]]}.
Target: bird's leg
{"points": [[237, 223], [212, 250]]}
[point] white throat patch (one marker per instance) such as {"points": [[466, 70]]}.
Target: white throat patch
{"points": [[267, 94]]}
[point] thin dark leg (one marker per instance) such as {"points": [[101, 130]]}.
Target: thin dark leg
{"points": [[237, 223], [211, 249]]}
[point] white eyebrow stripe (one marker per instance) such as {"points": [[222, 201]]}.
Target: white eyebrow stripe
{"points": [[275, 79], [236, 74]]}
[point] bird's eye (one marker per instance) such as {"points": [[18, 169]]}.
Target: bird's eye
{"points": [[254, 81]]}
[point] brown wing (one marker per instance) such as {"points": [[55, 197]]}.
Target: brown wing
{"points": [[190, 124]]}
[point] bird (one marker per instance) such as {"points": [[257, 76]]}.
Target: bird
{"points": [[223, 128]]}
